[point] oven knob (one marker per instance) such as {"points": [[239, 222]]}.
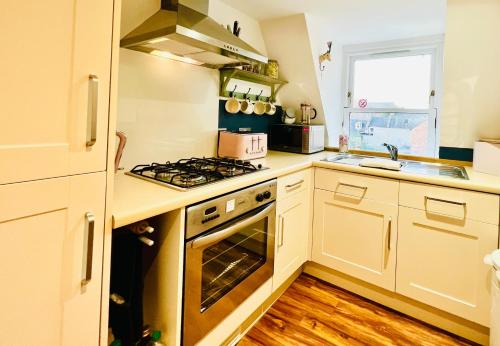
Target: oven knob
{"points": [[267, 194], [259, 197]]}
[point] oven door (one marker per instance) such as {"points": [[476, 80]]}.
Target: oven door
{"points": [[225, 266]]}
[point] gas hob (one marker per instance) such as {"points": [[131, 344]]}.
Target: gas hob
{"points": [[195, 172]]}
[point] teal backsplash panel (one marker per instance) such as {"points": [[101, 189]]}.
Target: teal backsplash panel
{"points": [[258, 123]]}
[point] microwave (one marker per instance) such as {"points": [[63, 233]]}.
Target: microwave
{"points": [[296, 138]]}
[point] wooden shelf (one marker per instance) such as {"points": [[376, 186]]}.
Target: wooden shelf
{"points": [[226, 74]]}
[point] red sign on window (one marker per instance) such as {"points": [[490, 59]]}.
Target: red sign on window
{"points": [[363, 103]]}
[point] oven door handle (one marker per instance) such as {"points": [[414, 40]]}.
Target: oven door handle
{"points": [[213, 238]]}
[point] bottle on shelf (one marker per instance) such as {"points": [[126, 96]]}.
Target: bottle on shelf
{"points": [[155, 339]]}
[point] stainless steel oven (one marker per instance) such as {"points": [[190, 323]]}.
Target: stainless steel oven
{"points": [[229, 253]]}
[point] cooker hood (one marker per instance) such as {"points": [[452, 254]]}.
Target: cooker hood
{"points": [[183, 31]]}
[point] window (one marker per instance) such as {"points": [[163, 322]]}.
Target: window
{"points": [[391, 98]]}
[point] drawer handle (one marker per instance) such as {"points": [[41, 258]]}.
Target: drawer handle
{"points": [[355, 186], [295, 184], [88, 248], [427, 198]]}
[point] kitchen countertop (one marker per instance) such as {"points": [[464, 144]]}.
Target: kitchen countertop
{"points": [[136, 199]]}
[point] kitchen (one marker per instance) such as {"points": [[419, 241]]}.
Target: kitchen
{"points": [[293, 193]]}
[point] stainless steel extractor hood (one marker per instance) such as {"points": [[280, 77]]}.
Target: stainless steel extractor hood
{"points": [[182, 30]]}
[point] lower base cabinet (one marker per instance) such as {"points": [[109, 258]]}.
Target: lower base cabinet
{"points": [[440, 262], [356, 237], [47, 249], [292, 236]]}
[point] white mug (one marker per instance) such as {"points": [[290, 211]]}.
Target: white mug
{"points": [[259, 107], [233, 106], [246, 106], [270, 108]]}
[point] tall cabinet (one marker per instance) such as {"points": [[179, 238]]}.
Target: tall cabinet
{"points": [[56, 72], [55, 59]]}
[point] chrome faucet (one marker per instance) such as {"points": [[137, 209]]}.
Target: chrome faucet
{"points": [[393, 151]]}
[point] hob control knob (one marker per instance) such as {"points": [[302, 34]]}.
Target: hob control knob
{"points": [[267, 194], [259, 197]]}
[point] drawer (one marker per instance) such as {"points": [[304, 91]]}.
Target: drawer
{"points": [[453, 203], [357, 185], [291, 184]]}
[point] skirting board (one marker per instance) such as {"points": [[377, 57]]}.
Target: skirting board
{"points": [[420, 311]]}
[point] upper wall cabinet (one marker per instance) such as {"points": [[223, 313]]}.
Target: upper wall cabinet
{"points": [[55, 59]]}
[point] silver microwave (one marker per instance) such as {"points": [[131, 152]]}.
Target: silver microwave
{"points": [[296, 138]]}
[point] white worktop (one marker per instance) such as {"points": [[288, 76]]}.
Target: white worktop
{"points": [[136, 199]]}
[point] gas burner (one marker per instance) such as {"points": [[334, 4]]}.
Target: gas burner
{"points": [[191, 178], [167, 174], [193, 172]]}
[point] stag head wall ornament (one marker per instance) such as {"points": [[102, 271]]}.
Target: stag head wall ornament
{"points": [[325, 56]]}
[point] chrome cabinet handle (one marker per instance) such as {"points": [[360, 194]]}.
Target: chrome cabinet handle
{"points": [[389, 231], [294, 184], [88, 249], [227, 232], [92, 110], [427, 198], [281, 231], [355, 186]]}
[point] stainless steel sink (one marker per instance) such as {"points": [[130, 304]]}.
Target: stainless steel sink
{"points": [[407, 166], [434, 169]]}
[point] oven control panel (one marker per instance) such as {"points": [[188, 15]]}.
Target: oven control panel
{"points": [[211, 213]]}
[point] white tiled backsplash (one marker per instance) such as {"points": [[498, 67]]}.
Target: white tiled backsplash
{"points": [[168, 110]]}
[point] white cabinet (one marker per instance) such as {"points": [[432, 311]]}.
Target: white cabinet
{"points": [[356, 236], [441, 245], [50, 102], [291, 237], [293, 224], [355, 225], [46, 232]]}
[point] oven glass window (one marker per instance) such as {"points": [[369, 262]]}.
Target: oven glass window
{"points": [[230, 261]]}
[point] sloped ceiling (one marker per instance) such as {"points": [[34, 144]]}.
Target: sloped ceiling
{"points": [[358, 20]]}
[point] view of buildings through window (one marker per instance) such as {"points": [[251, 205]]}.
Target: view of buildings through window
{"points": [[391, 101]]}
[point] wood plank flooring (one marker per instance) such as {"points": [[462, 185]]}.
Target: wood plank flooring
{"points": [[312, 312]]}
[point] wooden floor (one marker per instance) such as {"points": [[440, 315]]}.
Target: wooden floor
{"points": [[312, 312]]}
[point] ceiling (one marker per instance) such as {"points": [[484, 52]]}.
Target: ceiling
{"points": [[357, 20]]}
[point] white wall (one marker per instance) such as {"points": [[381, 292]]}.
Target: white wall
{"points": [[471, 103], [346, 31], [330, 79], [168, 109], [287, 40]]}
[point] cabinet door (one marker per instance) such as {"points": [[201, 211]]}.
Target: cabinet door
{"points": [[46, 232], [49, 51], [291, 236], [356, 237], [440, 262]]}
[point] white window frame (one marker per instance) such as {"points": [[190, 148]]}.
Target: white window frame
{"points": [[424, 45]]}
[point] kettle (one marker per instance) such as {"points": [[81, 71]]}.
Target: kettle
{"points": [[308, 113]]}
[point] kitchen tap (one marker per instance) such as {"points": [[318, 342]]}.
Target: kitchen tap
{"points": [[393, 151]]}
